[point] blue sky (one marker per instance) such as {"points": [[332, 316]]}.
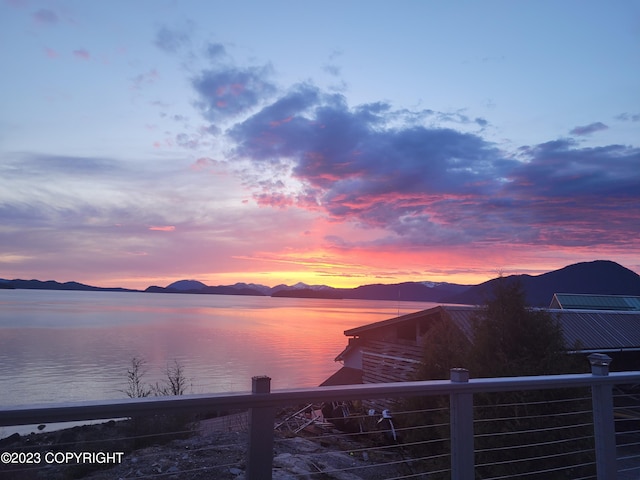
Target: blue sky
{"points": [[338, 142]]}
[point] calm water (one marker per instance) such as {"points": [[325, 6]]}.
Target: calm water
{"points": [[68, 346]]}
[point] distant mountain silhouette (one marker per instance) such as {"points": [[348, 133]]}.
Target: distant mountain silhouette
{"points": [[195, 287], [331, 293], [598, 277], [186, 285], [406, 291], [263, 289], [53, 285]]}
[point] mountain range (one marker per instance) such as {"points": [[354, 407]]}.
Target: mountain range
{"points": [[598, 277]]}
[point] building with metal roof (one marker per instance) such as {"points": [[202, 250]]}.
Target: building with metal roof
{"points": [[392, 350], [595, 302]]}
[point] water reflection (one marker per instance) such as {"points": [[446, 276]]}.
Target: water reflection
{"points": [[67, 346]]}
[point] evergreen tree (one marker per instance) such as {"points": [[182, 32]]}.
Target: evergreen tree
{"points": [[512, 339], [516, 432]]}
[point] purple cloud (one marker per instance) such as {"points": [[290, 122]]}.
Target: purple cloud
{"points": [[82, 54], [357, 164], [588, 129], [628, 117], [401, 171], [561, 169], [45, 17], [380, 167], [171, 40], [226, 92], [216, 51]]}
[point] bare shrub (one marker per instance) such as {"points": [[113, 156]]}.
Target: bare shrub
{"points": [[136, 388], [175, 383]]}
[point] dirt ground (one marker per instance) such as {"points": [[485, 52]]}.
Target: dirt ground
{"points": [[217, 448]]}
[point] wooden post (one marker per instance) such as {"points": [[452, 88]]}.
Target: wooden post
{"points": [[603, 421], [461, 424], [261, 421]]}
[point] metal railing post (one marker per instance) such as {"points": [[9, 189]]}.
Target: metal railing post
{"points": [[261, 421], [603, 422], [461, 424]]}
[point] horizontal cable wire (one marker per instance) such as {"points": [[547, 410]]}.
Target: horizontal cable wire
{"points": [[388, 447], [394, 451], [542, 402], [518, 432], [629, 469], [630, 457], [551, 442], [528, 459], [525, 417], [632, 444]]}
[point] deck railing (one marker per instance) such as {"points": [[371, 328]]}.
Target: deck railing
{"points": [[262, 404]]}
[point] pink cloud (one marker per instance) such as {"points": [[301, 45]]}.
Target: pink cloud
{"points": [[51, 53], [233, 89], [204, 163], [277, 123], [279, 200], [82, 54], [163, 228]]}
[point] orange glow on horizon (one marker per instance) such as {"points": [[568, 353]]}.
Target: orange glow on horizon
{"points": [[350, 268]]}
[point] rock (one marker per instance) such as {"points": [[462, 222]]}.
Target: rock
{"points": [[10, 439]]}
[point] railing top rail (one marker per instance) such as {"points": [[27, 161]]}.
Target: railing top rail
{"points": [[93, 410]]}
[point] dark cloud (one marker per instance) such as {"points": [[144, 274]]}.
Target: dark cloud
{"points": [[228, 91], [359, 164], [402, 172], [216, 51], [561, 169], [382, 168], [588, 129]]}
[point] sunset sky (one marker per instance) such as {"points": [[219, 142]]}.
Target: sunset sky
{"points": [[336, 142]]}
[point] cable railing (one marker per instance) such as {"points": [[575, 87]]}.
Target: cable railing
{"points": [[584, 426], [627, 426]]}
